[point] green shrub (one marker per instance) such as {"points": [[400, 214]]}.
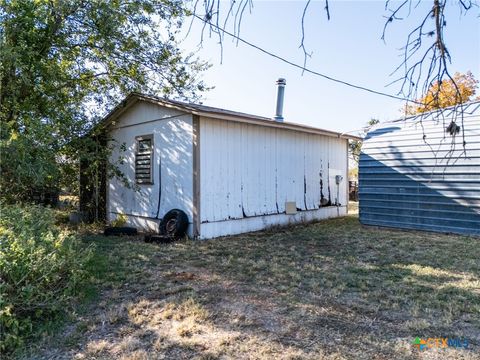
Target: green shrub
{"points": [[42, 268], [121, 220]]}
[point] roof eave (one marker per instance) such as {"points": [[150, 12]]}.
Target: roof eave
{"points": [[132, 98]]}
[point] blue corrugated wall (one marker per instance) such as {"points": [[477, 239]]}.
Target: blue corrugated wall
{"points": [[413, 174]]}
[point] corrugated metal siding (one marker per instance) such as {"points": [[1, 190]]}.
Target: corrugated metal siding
{"points": [[249, 170], [410, 182]]}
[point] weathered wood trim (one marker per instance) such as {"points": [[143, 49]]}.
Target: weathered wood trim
{"points": [[347, 180], [196, 176]]}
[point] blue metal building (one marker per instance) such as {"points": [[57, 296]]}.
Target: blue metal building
{"points": [[423, 172]]}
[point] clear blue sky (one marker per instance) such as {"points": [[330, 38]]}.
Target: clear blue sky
{"points": [[346, 47]]}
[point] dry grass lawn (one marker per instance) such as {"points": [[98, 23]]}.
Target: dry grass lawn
{"points": [[329, 290]]}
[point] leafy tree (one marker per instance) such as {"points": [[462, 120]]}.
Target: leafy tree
{"points": [[355, 146], [63, 62], [353, 173], [459, 90]]}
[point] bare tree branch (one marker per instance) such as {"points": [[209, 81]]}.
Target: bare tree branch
{"points": [[302, 42], [426, 61]]}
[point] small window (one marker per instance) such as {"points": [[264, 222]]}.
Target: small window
{"points": [[144, 159]]}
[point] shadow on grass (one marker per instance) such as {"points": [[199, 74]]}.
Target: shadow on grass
{"points": [[329, 289]]}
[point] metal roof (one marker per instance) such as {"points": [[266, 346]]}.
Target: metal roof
{"points": [[467, 109], [218, 113]]}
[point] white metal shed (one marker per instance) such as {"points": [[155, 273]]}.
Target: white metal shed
{"points": [[230, 172]]}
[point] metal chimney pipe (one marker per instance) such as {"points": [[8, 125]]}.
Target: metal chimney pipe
{"points": [[280, 95]]}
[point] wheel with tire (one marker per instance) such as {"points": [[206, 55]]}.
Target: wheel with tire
{"points": [[174, 224]]}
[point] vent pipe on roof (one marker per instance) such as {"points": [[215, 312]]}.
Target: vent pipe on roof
{"points": [[280, 94]]}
